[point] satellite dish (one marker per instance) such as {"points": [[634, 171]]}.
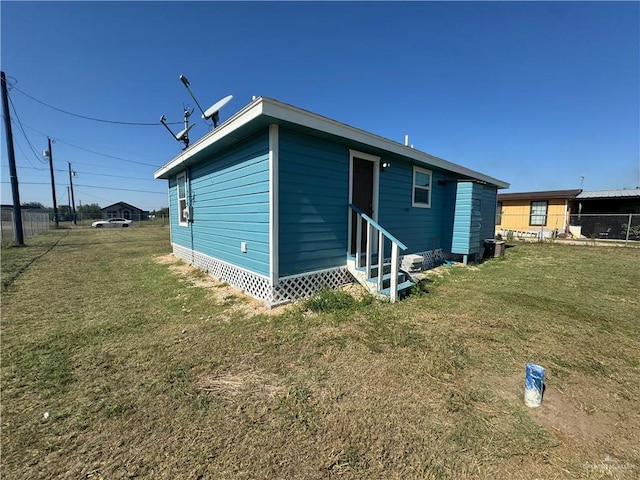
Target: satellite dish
{"points": [[183, 133], [212, 111]]}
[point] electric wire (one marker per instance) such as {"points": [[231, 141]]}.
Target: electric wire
{"points": [[67, 142], [92, 186], [106, 155], [17, 144], [23, 132], [90, 173], [120, 189], [10, 86], [117, 176], [83, 192], [94, 119]]}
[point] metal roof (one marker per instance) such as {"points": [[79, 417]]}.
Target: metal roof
{"points": [[544, 195], [626, 193], [263, 111]]}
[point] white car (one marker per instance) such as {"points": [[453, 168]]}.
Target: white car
{"points": [[112, 222]]}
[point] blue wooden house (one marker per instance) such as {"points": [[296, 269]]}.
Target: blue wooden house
{"points": [[280, 202]]}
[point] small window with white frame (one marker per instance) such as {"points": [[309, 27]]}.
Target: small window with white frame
{"points": [[182, 199], [421, 194]]}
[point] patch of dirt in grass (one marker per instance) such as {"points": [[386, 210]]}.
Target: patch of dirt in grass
{"points": [[357, 291], [220, 292], [583, 415], [590, 415]]}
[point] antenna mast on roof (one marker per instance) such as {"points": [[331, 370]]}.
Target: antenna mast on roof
{"points": [[186, 83], [212, 113], [183, 135]]}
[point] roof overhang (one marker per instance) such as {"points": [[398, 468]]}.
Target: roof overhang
{"points": [[264, 111], [610, 194], [542, 195]]}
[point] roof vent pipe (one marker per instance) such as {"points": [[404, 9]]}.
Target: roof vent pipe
{"points": [[406, 140]]}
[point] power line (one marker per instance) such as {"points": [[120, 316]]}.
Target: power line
{"points": [[84, 192], [26, 157], [85, 117], [106, 155], [123, 189], [96, 174], [23, 132], [94, 186], [66, 142], [117, 176]]}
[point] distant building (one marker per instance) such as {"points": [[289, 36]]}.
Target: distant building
{"points": [[591, 214], [609, 201], [124, 210], [525, 211]]}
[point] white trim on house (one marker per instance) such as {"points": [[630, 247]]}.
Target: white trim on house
{"points": [[244, 116], [376, 177], [274, 254], [274, 110], [169, 212], [181, 222], [413, 187], [375, 193]]}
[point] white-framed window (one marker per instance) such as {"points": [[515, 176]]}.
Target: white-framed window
{"points": [[182, 199], [538, 216], [421, 193]]}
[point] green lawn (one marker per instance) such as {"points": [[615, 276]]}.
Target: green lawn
{"points": [[146, 369]]}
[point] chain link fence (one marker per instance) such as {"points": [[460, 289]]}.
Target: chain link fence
{"points": [[620, 227], [33, 223], [80, 218], [614, 227], [87, 220]]}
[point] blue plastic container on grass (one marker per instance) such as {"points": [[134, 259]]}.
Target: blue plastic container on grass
{"points": [[533, 385]]}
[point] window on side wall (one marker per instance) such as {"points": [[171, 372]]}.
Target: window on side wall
{"points": [[182, 199], [538, 216], [421, 195], [499, 213]]}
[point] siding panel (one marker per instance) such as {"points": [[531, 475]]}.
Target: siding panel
{"points": [[469, 218], [230, 197], [314, 194], [420, 229]]}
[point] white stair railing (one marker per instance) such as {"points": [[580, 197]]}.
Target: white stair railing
{"points": [[371, 228]]}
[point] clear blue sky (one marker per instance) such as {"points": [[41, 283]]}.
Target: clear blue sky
{"points": [[536, 94]]}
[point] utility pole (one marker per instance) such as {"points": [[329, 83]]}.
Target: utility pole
{"points": [[13, 173], [73, 202], [53, 184]]}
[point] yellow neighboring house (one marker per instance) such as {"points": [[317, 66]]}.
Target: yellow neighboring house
{"points": [[535, 213]]}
